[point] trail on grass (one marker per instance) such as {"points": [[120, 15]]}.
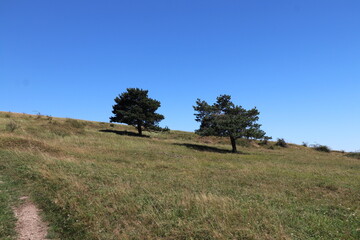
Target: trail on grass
{"points": [[29, 224]]}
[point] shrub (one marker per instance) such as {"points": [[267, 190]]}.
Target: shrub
{"points": [[112, 125], [281, 142], [158, 129], [353, 155], [166, 129], [321, 148], [11, 126], [304, 144], [265, 140]]}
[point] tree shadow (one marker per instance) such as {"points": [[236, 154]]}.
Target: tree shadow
{"points": [[124, 133], [204, 148]]}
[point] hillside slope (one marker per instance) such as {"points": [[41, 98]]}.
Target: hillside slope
{"points": [[94, 180]]}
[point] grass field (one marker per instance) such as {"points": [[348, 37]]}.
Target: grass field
{"points": [[94, 180]]}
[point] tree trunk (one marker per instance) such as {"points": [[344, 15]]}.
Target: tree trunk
{"points": [[139, 129], [233, 144]]}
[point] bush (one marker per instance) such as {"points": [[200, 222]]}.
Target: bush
{"points": [[281, 142], [158, 129], [321, 148], [304, 144], [353, 155], [166, 129], [265, 140], [11, 126]]}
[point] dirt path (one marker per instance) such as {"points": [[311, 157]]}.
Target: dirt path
{"points": [[29, 225]]}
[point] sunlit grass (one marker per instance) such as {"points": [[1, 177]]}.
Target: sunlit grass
{"points": [[95, 184]]}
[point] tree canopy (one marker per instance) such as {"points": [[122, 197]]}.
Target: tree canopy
{"points": [[226, 119], [135, 108]]}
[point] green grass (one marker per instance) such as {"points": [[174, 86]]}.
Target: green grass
{"points": [[96, 184], [8, 198]]}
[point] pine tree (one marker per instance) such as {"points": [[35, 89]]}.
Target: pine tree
{"points": [[226, 119], [135, 108]]}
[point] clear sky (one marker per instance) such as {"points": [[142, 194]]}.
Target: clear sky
{"points": [[298, 62]]}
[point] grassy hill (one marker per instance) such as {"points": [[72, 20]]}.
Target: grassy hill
{"points": [[96, 180]]}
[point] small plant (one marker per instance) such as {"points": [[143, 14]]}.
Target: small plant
{"points": [[166, 129], [7, 115], [265, 140], [321, 148], [304, 144], [112, 125], [11, 126], [281, 142], [38, 115]]}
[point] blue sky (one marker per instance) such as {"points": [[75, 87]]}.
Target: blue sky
{"points": [[298, 62]]}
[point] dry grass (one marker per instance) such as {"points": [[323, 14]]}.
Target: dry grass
{"points": [[95, 184]]}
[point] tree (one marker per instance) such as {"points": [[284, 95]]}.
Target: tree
{"points": [[135, 108], [226, 119]]}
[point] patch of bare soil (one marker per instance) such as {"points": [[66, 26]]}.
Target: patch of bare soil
{"points": [[29, 225]]}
